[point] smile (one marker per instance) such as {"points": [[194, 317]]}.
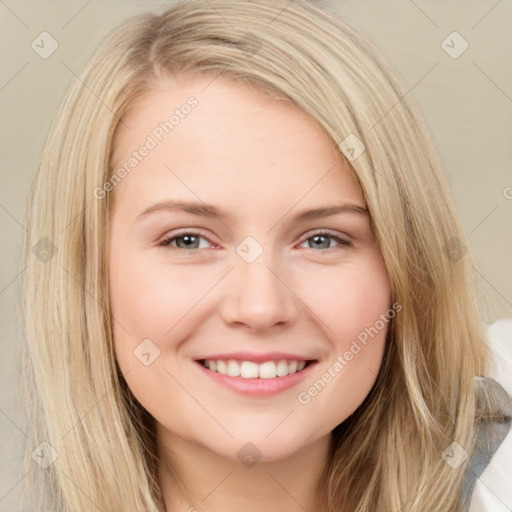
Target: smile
{"points": [[256, 378], [253, 370]]}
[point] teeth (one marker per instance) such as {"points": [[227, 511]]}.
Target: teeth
{"points": [[233, 368], [249, 370], [282, 369], [268, 370], [252, 370], [221, 367]]}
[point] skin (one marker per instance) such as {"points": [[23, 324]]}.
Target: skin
{"points": [[262, 161]]}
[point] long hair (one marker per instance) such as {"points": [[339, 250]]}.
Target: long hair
{"points": [[91, 443]]}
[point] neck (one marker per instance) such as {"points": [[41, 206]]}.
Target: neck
{"points": [[193, 478]]}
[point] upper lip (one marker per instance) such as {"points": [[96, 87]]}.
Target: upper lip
{"points": [[255, 357]]}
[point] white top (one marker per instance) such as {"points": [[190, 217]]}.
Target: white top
{"points": [[493, 489]]}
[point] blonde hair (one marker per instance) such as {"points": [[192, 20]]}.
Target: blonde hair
{"points": [[387, 455]]}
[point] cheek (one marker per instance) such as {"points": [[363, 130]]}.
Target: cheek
{"points": [[149, 304], [152, 293], [351, 302], [350, 298], [153, 300]]}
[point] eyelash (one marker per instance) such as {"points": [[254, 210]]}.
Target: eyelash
{"points": [[165, 243]]}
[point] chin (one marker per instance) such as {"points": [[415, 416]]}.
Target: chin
{"points": [[254, 446]]}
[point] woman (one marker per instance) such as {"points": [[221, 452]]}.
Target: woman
{"points": [[321, 339]]}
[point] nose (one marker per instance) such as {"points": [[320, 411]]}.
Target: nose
{"points": [[258, 296]]}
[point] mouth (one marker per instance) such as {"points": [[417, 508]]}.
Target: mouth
{"points": [[256, 378], [271, 369]]}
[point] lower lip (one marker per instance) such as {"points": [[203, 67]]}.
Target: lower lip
{"points": [[258, 387]]}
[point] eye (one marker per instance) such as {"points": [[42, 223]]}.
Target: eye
{"points": [[186, 240], [322, 240], [189, 240]]}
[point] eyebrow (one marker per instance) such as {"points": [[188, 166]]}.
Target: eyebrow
{"points": [[214, 212]]}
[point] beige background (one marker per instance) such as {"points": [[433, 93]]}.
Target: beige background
{"points": [[467, 103]]}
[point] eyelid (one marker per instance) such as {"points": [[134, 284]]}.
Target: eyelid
{"points": [[184, 231], [329, 232]]}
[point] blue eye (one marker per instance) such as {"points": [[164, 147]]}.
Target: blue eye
{"points": [[320, 238], [188, 240]]}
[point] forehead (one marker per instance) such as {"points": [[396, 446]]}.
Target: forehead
{"points": [[235, 142], [220, 101]]}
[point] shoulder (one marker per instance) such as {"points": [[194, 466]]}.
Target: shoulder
{"points": [[490, 473]]}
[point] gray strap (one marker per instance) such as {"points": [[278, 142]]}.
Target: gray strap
{"points": [[491, 434]]}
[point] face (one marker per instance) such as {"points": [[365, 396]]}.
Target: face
{"points": [[240, 241]]}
